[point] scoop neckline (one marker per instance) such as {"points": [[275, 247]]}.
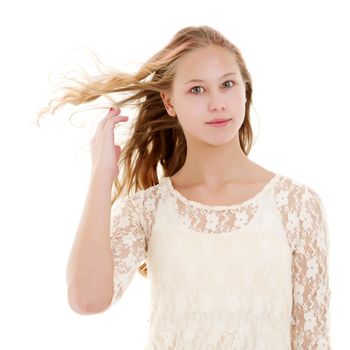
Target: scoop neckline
{"points": [[257, 196]]}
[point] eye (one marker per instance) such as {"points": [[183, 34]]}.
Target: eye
{"points": [[228, 81], [195, 87]]}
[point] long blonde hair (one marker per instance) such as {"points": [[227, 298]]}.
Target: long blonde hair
{"points": [[156, 138]]}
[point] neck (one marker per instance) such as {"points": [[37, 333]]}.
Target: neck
{"points": [[215, 165]]}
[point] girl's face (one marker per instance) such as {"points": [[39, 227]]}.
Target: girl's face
{"points": [[218, 95]]}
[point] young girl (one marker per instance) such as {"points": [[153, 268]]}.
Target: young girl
{"points": [[236, 254]]}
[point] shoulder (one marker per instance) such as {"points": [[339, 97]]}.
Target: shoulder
{"points": [[289, 185], [293, 183], [141, 199], [294, 191]]}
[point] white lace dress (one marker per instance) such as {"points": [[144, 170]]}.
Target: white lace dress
{"points": [[248, 276]]}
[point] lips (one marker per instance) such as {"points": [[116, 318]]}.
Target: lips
{"points": [[221, 120]]}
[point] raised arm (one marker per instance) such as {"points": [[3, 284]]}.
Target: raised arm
{"points": [[90, 266], [311, 291]]}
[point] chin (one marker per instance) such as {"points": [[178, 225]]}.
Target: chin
{"points": [[220, 140]]}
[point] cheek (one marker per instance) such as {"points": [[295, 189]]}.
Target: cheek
{"points": [[192, 123], [239, 96]]}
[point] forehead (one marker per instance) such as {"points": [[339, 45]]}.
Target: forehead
{"points": [[206, 63]]}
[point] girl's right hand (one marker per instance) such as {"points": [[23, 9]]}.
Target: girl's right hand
{"points": [[105, 154]]}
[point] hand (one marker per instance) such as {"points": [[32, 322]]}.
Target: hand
{"points": [[105, 154]]}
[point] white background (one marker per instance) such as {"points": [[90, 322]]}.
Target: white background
{"points": [[298, 55]]}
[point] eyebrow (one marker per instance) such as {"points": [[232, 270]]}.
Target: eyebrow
{"points": [[199, 80]]}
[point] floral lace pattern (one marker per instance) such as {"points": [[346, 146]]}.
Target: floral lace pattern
{"points": [[311, 290], [260, 317]]}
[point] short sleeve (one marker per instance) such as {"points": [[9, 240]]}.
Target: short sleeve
{"points": [[311, 291], [127, 242]]}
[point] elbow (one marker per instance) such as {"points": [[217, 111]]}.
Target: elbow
{"points": [[86, 306]]}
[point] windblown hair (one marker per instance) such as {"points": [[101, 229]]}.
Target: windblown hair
{"points": [[156, 137]]}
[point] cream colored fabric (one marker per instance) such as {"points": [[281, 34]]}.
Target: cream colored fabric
{"points": [[249, 276]]}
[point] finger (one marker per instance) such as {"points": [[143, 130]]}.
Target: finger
{"points": [[111, 113], [114, 111], [117, 119]]}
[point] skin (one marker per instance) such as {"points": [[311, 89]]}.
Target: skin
{"points": [[214, 159]]}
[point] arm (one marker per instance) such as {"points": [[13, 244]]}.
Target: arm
{"points": [[90, 269], [311, 291], [128, 241]]}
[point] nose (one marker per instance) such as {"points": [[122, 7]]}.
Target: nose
{"points": [[216, 103], [218, 106]]}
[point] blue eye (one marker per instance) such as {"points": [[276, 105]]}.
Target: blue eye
{"points": [[228, 81]]}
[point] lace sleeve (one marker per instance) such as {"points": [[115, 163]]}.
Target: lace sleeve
{"points": [[311, 292], [128, 243]]}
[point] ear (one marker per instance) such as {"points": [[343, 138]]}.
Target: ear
{"points": [[167, 103]]}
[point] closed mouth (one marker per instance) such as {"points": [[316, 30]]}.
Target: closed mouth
{"points": [[222, 121]]}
